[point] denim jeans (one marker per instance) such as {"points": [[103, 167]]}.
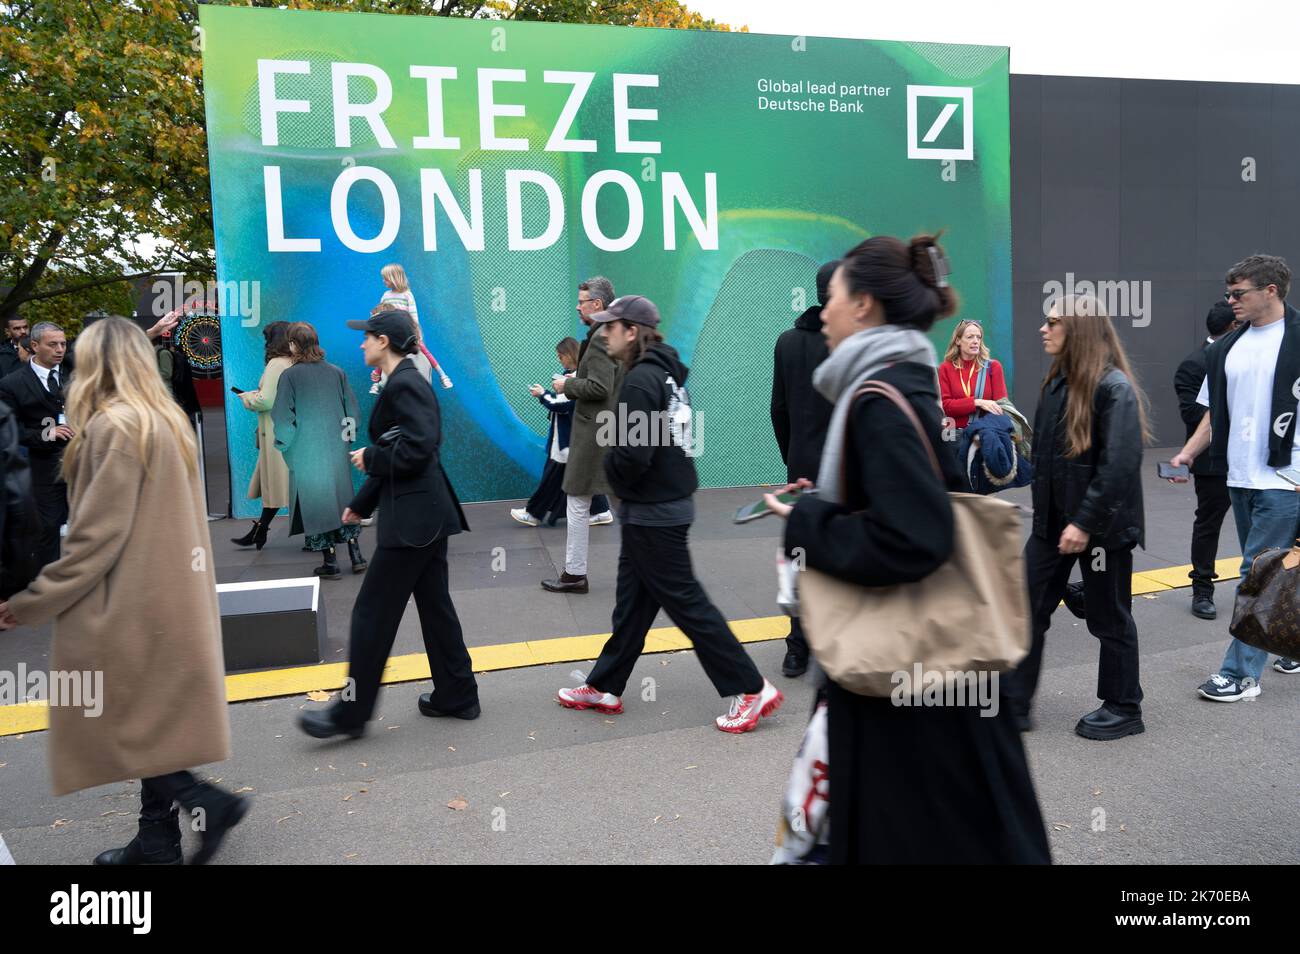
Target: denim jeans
{"points": [[1265, 519]]}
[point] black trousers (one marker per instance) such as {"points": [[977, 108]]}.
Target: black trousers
{"points": [[796, 642], [654, 571], [1108, 599], [159, 793], [395, 574], [51, 495], [1212, 504], [549, 500]]}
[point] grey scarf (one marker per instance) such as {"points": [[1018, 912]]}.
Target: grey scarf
{"points": [[857, 358]]}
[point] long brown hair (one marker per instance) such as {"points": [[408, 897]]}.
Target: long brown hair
{"points": [[117, 377], [306, 343], [1091, 348], [644, 340]]}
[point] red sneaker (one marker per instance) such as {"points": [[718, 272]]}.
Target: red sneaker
{"points": [[585, 697], [746, 709]]}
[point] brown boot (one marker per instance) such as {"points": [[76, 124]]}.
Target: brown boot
{"points": [[567, 583]]}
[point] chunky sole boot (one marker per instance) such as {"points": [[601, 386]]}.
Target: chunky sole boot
{"points": [[156, 843]]}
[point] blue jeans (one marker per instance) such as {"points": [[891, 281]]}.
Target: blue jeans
{"points": [[1265, 519]]}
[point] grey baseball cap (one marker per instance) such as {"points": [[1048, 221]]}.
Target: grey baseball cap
{"points": [[635, 309]]}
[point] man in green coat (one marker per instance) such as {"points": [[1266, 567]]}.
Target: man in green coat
{"points": [[593, 389]]}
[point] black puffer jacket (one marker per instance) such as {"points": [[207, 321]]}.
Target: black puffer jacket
{"points": [[650, 460], [1101, 490], [20, 524], [800, 415]]}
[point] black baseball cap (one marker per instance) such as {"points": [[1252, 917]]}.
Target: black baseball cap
{"points": [[635, 309], [397, 325]]}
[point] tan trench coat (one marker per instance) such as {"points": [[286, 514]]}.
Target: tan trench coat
{"points": [[134, 597], [270, 479]]}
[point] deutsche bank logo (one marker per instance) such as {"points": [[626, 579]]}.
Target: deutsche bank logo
{"points": [[934, 115]]}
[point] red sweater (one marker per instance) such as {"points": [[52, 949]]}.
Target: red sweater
{"points": [[955, 402]]}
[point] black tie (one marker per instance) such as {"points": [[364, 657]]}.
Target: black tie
{"points": [[56, 389]]}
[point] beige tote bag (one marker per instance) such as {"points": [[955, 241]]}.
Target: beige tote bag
{"points": [[970, 615]]}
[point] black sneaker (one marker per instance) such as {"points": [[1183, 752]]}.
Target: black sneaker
{"points": [[1286, 665], [795, 664], [1203, 607], [1222, 689]]}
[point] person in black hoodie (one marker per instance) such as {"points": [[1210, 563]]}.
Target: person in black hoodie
{"points": [[960, 792], [651, 469], [799, 417]]}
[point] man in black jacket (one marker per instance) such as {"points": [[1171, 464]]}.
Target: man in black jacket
{"points": [[15, 328], [1211, 478], [800, 417], [651, 437], [36, 392]]}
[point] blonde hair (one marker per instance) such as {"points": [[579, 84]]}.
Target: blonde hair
{"points": [[953, 353], [1092, 346], [395, 275], [118, 377]]}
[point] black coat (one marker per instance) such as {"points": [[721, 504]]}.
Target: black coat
{"points": [[963, 793], [1100, 491], [37, 411], [20, 522], [9, 360], [800, 415], [1187, 384], [404, 478]]}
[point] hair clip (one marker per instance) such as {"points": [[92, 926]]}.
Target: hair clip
{"points": [[940, 263]]}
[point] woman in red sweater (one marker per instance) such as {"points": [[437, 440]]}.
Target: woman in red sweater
{"points": [[959, 375]]}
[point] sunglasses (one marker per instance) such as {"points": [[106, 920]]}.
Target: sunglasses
{"points": [[1236, 294]]}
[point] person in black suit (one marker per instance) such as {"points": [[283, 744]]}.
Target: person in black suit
{"points": [[35, 392], [15, 330], [418, 512], [800, 417], [1212, 501]]}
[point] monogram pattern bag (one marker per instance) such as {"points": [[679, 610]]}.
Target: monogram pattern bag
{"points": [[1266, 614]]}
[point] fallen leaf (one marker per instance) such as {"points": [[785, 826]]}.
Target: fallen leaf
{"points": [[279, 737], [286, 817], [60, 822], [351, 855], [1060, 826], [610, 722], [363, 764], [246, 788], [503, 795], [1123, 828], [392, 727], [106, 814], [656, 821], [347, 798], [451, 748], [692, 766], [1096, 792], [3, 764], [363, 791], [458, 804]]}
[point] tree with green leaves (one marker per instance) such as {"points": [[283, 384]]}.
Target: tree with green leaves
{"points": [[102, 142]]}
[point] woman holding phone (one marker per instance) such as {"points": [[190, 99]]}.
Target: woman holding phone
{"points": [[1087, 493], [418, 512]]}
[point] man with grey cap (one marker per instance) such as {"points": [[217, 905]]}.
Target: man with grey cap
{"points": [[593, 389], [651, 467]]}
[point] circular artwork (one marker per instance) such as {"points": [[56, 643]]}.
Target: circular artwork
{"points": [[198, 337]]}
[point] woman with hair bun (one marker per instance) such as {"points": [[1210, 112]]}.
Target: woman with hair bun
{"points": [[959, 790]]}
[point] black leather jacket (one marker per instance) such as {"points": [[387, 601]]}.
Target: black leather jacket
{"points": [[1101, 490]]}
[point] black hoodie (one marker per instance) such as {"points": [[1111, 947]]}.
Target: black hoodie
{"points": [[651, 434]]}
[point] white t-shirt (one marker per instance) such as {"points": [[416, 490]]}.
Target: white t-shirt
{"points": [[1249, 371]]}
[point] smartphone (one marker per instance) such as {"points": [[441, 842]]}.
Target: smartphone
{"points": [[235, 390], [1167, 471], [759, 507], [1291, 475]]}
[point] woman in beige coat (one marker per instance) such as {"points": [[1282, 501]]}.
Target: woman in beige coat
{"points": [[271, 475], [134, 604]]}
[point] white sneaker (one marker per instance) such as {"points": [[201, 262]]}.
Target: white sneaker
{"points": [[524, 517], [602, 519], [585, 697], [1220, 688], [446, 382], [746, 709], [367, 521]]}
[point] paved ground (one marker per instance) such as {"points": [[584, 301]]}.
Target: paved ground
{"points": [[1206, 784]]}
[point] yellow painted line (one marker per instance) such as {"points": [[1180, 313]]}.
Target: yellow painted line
{"points": [[247, 686]]}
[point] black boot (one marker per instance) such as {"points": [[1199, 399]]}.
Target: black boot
{"points": [[329, 570], [213, 812], [158, 842], [247, 539], [359, 563]]}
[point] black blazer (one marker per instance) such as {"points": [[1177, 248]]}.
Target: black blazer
{"points": [[35, 410], [9, 360], [404, 479], [1187, 383]]}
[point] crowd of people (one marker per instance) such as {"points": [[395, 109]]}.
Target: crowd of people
{"points": [[867, 502]]}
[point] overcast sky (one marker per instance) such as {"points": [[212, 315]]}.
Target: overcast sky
{"points": [[1244, 42]]}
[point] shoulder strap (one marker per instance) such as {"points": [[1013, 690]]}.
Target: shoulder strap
{"points": [[896, 396], [979, 384]]}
